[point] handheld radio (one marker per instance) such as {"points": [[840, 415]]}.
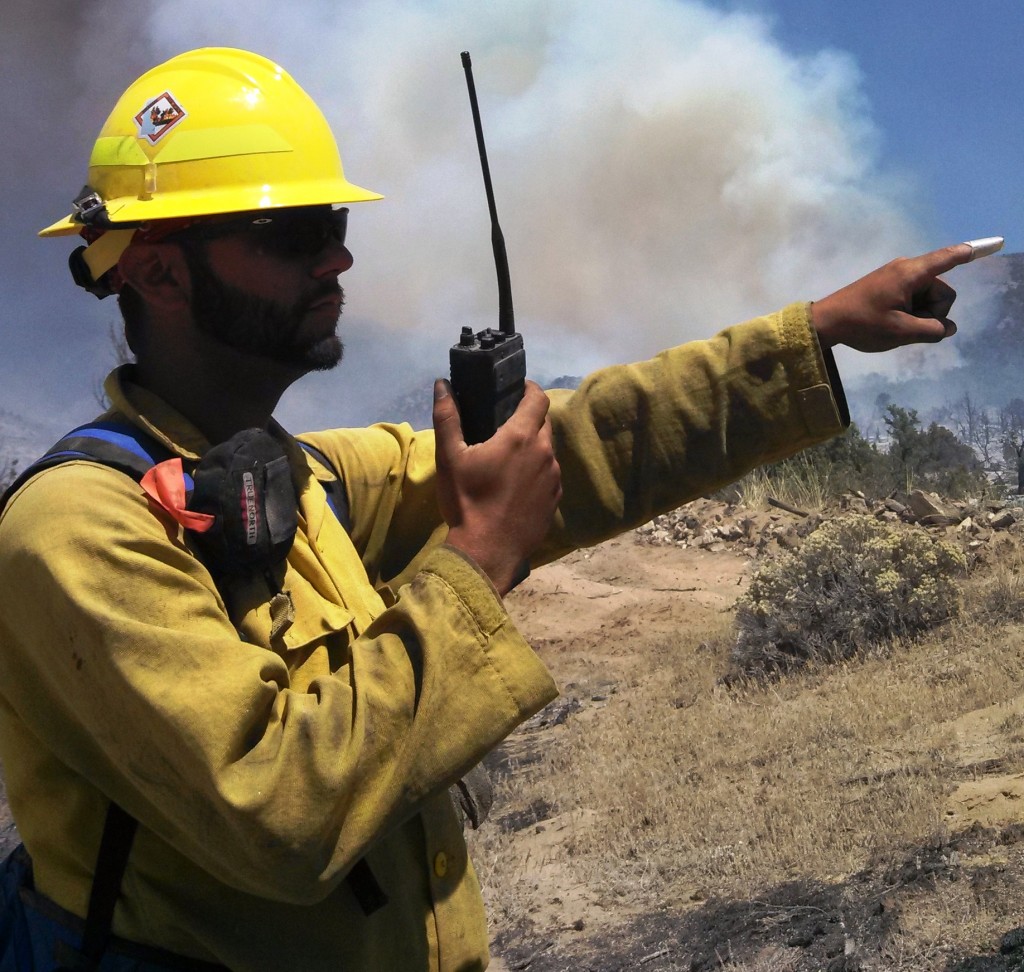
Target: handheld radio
{"points": [[488, 368]]}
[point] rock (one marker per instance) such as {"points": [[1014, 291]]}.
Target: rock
{"points": [[1000, 521], [788, 539], [888, 904], [938, 520], [926, 504], [807, 526]]}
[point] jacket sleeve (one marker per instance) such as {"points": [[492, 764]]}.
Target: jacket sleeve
{"points": [[633, 441], [117, 654], [637, 440]]}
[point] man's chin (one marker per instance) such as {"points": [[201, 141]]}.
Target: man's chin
{"points": [[324, 355]]}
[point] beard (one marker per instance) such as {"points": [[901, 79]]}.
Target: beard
{"points": [[260, 326]]}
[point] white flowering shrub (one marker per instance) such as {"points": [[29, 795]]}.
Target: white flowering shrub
{"points": [[855, 582]]}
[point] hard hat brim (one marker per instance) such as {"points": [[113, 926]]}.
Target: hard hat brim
{"points": [[218, 201], [63, 227]]}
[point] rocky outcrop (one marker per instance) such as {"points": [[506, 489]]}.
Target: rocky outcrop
{"points": [[714, 525]]}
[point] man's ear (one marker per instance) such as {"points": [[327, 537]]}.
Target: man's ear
{"points": [[159, 273]]}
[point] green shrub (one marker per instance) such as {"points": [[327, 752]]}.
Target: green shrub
{"points": [[854, 583], [933, 458], [929, 459]]}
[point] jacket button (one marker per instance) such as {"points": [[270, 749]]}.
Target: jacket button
{"points": [[441, 864]]}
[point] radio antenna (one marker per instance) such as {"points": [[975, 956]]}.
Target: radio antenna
{"points": [[506, 316]]}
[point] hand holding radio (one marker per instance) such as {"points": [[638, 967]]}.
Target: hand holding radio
{"points": [[498, 497]]}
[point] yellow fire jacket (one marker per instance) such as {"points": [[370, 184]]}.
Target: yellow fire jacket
{"points": [[262, 769]]}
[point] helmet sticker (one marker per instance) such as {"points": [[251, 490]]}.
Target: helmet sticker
{"points": [[158, 117]]}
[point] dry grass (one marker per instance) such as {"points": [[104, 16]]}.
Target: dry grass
{"points": [[678, 790], [998, 592], [803, 486], [747, 786]]}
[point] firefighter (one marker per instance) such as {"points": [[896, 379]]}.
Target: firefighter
{"points": [[216, 762]]}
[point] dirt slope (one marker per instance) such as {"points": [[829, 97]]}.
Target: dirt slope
{"points": [[579, 614]]}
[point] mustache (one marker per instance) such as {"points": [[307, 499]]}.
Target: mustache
{"points": [[329, 288]]}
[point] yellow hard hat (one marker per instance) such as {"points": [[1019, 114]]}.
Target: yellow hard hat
{"points": [[210, 131]]}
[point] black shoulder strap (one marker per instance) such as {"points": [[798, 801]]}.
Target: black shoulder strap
{"points": [[131, 451], [111, 860], [127, 448]]}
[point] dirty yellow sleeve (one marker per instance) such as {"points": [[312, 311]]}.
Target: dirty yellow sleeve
{"points": [[633, 441]]}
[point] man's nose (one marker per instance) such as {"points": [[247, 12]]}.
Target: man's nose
{"points": [[333, 260]]}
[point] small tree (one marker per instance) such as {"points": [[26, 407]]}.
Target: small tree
{"points": [[1011, 428], [904, 441], [980, 429], [933, 458]]}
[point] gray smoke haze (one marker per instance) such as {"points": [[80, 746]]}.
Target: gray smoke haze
{"points": [[661, 168]]}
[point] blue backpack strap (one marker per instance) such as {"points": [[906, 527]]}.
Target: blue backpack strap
{"points": [[337, 498], [119, 445], [127, 448]]}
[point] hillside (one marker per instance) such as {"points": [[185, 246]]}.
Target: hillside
{"points": [[867, 817]]}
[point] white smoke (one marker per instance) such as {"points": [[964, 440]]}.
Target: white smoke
{"points": [[661, 167]]}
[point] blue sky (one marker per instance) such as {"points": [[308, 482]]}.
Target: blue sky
{"points": [[944, 81], [662, 167]]}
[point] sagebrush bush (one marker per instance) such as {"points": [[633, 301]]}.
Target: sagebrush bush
{"points": [[854, 583]]}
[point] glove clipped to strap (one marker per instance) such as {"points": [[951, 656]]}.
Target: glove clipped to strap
{"points": [[246, 484]]}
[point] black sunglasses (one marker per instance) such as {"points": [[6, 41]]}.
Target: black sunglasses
{"points": [[299, 232]]}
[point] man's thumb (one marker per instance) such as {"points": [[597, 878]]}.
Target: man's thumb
{"points": [[447, 425]]}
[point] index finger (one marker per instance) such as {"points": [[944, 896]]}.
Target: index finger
{"points": [[939, 261], [533, 408]]}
